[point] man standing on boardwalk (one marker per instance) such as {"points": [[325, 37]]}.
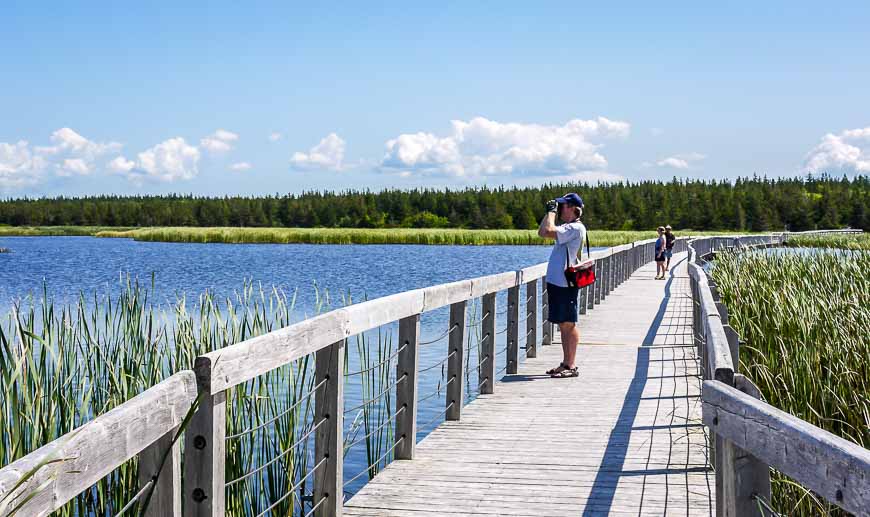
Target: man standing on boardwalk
{"points": [[670, 239], [562, 299]]}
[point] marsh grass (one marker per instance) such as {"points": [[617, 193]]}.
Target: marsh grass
{"points": [[805, 319], [859, 241], [62, 365]]}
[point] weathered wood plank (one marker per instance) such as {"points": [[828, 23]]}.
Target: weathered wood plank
{"points": [[407, 367], [531, 319], [456, 363], [205, 456], [832, 467], [487, 354], [328, 439], [92, 451], [513, 329], [160, 464]]}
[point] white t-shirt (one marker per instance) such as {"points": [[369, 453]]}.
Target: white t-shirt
{"points": [[570, 237]]}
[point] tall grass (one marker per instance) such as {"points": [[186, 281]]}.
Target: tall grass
{"points": [[442, 236], [859, 241], [48, 231], [806, 320], [62, 365]]}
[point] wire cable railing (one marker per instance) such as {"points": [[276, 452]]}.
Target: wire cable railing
{"points": [[439, 363], [439, 415], [302, 399], [135, 499], [274, 460], [442, 336], [378, 396], [376, 462], [293, 488], [379, 364], [376, 429]]}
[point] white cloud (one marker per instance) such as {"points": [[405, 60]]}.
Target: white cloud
{"points": [[326, 155], [220, 141], [849, 150], [679, 161], [168, 161], [274, 137], [72, 154], [240, 166], [485, 147], [19, 166]]}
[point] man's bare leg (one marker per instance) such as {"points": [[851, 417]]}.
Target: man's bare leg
{"points": [[570, 338]]}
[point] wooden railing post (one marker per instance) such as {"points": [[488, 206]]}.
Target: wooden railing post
{"points": [[487, 352], [733, 345], [599, 280], [743, 476], [205, 450], [605, 273], [456, 362], [584, 301], [166, 492], [532, 319], [407, 366], [513, 330], [546, 326], [328, 439]]}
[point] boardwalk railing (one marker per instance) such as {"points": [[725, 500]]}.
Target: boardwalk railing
{"points": [[748, 436], [148, 424]]}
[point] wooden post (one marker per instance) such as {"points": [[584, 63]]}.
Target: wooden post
{"points": [[546, 326], [723, 312], [456, 363], [584, 302], [407, 366], [205, 450], [513, 329], [328, 439], [487, 353], [605, 272], [532, 319], [733, 345], [596, 287], [743, 476], [166, 492]]}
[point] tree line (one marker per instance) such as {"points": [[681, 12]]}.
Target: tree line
{"points": [[753, 204]]}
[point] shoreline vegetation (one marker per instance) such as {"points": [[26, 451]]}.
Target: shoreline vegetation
{"points": [[804, 318], [248, 235], [854, 242]]}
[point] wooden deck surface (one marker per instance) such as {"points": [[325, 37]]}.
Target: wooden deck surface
{"points": [[625, 438]]}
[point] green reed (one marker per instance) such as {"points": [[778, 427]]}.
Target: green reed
{"points": [[805, 318], [63, 364], [431, 236], [854, 241]]}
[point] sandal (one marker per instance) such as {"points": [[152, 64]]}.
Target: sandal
{"points": [[555, 370], [565, 372]]}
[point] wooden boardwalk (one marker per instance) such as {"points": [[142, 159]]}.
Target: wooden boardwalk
{"points": [[625, 438]]}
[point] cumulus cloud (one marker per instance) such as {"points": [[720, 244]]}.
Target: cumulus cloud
{"points": [[679, 161], [483, 147], [219, 142], [168, 161], [240, 166], [73, 154], [326, 155], [274, 137], [849, 150], [19, 166]]}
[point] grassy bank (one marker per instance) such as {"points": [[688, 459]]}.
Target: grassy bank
{"points": [[55, 231], [249, 235], [805, 319], [859, 241], [440, 236]]}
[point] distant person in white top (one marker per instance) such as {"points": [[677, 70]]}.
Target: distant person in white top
{"points": [[561, 299]]}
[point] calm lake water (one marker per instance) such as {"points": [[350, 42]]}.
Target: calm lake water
{"points": [[68, 266]]}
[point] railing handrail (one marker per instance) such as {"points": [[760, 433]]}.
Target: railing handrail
{"points": [[835, 468], [60, 470]]}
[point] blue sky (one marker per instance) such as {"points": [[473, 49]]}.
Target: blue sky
{"points": [[112, 97]]}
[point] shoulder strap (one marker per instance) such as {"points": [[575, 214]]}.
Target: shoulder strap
{"points": [[588, 253]]}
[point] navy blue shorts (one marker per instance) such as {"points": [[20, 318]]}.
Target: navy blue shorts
{"points": [[561, 303]]}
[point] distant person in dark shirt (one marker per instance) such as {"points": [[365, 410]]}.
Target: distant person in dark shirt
{"points": [[670, 239]]}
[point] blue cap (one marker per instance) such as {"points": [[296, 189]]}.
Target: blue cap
{"points": [[571, 199]]}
